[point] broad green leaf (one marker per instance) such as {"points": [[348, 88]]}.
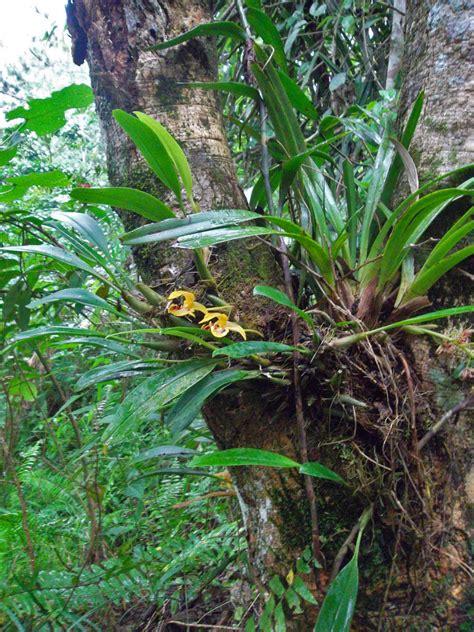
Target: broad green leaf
{"points": [[303, 591], [412, 225], [347, 341], [193, 225], [297, 96], [321, 471], [282, 299], [45, 116], [339, 604], [232, 87], [87, 226], [163, 450], [246, 349], [221, 235], [455, 234], [54, 253], [53, 178], [92, 341], [351, 203], [374, 193], [425, 279], [115, 371], [58, 330], [175, 471], [76, 295], [188, 407], [139, 202], [158, 391], [6, 155], [174, 151], [277, 586], [151, 148], [279, 616], [224, 29], [337, 81], [264, 27], [396, 167], [243, 456]]}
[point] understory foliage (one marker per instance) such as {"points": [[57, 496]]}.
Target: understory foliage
{"points": [[110, 513]]}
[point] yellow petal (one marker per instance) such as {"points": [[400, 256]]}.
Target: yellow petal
{"points": [[180, 311], [218, 332], [237, 328], [208, 316], [181, 293], [199, 308]]}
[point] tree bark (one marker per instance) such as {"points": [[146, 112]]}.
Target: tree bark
{"points": [[438, 59]]}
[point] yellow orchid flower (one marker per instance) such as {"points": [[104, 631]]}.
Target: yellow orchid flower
{"points": [[186, 307], [222, 326]]}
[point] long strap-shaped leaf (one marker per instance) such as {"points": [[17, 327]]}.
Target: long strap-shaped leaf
{"points": [[139, 202], [152, 149], [223, 29], [174, 151]]}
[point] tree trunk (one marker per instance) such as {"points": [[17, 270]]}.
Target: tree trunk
{"points": [[438, 60], [113, 37]]}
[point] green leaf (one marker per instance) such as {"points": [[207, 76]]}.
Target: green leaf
{"points": [[297, 96], [337, 81], [133, 200], [163, 450], [53, 178], [54, 253], [221, 235], [246, 349], [174, 151], [276, 586], [232, 87], [374, 193], [302, 590], [109, 345], [76, 295], [157, 391], [193, 225], [87, 226], [282, 299], [264, 27], [45, 116], [224, 29], [19, 185], [115, 371], [6, 155], [339, 604], [321, 471], [151, 148], [188, 407], [243, 456], [396, 167], [347, 341], [279, 616], [351, 202], [58, 330], [425, 279]]}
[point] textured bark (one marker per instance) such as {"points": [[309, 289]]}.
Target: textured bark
{"points": [[113, 36], [438, 59]]}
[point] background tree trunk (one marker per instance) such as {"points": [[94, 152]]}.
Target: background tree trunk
{"points": [[438, 59]]}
